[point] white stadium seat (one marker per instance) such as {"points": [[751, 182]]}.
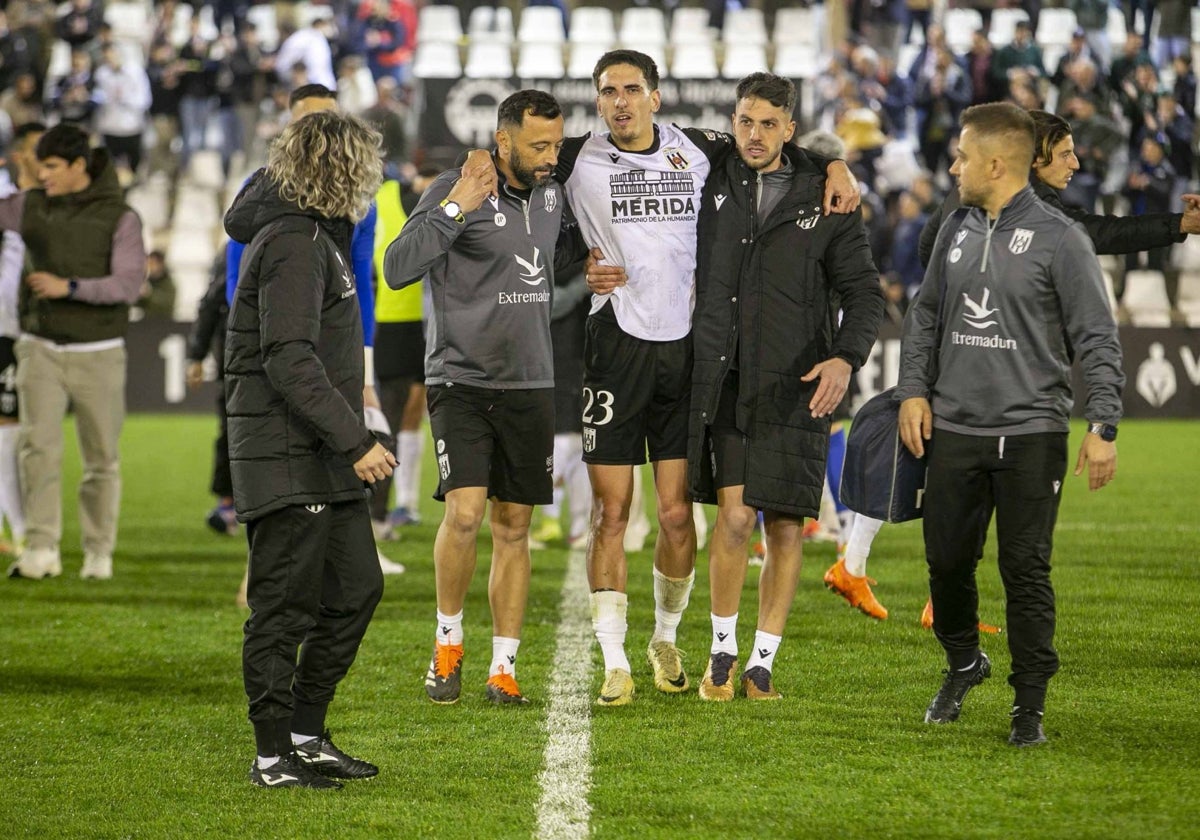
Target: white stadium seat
{"points": [[960, 25], [744, 26], [689, 25], [1116, 27], [540, 61], [697, 61], [656, 51], [797, 61], [798, 26], [437, 60], [1055, 26], [488, 61], [583, 59], [644, 25], [492, 23], [1004, 26], [742, 60], [263, 18], [542, 24], [1146, 299], [439, 24], [592, 24]]}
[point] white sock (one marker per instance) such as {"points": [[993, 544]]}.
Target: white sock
{"points": [[724, 638], [671, 597], [410, 446], [859, 547], [449, 629], [267, 761], [10, 485], [765, 646], [504, 656], [609, 610]]}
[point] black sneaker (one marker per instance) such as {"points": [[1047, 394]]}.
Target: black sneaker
{"points": [[1026, 727], [290, 772], [947, 703], [321, 755]]}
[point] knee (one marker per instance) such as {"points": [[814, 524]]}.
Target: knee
{"points": [[463, 519], [609, 516], [675, 517], [738, 522]]}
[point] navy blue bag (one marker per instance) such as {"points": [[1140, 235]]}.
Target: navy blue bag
{"points": [[881, 478]]}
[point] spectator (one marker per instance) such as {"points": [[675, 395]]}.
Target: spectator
{"points": [[386, 35], [225, 87], [1149, 186], [74, 100], [308, 47], [1178, 129], [123, 93], [197, 85], [1083, 78], [941, 98], [388, 116], [84, 277], [1078, 48], [904, 263], [80, 24], [1022, 57], [1092, 18], [355, 88], [1138, 97], [158, 291], [1097, 142], [17, 54], [1132, 55], [250, 65], [1185, 83], [23, 101], [985, 86], [1174, 35]]}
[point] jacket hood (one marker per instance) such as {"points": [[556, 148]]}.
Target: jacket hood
{"points": [[104, 185], [259, 204]]}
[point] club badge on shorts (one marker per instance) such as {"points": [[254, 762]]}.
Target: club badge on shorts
{"points": [[589, 439]]}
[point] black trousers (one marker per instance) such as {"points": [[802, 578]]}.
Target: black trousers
{"points": [[314, 585], [222, 479], [1020, 479]]}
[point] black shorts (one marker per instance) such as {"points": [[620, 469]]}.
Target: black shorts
{"points": [[501, 440], [8, 379], [728, 442], [567, 335], [400, 350], [635, 395]]}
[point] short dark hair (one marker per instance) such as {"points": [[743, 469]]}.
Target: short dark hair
{"points": [[313, 91], [1004, 120], [25, 129], [534, 103], [1049, 131], [66, 141], [633, 58], [777, 90]]}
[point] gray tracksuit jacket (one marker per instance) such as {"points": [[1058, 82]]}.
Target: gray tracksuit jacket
{"points": [[490, 280], [1024, 297]]}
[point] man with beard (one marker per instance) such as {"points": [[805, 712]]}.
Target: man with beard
{"points": [[771, 364], [490, 263], [1014, 294]]}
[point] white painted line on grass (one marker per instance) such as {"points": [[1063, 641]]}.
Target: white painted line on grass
{"points": [[1128, 527], [566, 779]]}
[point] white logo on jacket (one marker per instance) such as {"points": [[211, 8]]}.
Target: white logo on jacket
{"points": [[809, 223], [551, 197], [533, 275], [977, 314], [1020, 241], [719, 200]]}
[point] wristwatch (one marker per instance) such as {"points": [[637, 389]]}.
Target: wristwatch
{"points": [[451, 209], [1104, 431]]}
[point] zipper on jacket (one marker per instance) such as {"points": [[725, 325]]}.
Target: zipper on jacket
{"points": [[987, 243], [1001, 447], [525, 210]]}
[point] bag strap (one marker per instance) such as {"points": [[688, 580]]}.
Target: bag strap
{"points": [[938, 259]]}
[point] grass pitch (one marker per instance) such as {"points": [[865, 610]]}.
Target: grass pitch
{"points": [[122, 709]]}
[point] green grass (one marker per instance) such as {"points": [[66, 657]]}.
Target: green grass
{"points": [[122, 709]]}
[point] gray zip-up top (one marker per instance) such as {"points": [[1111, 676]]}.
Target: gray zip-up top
{"points": [[490, 282], [1024, 294]]}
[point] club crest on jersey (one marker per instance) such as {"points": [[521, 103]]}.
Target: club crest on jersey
{"points": [[1020, 241], [809, 223], [551, 197], [675, 158], [589, 439]]}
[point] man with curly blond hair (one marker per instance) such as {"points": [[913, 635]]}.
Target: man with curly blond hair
{"points": [[300, 452]]}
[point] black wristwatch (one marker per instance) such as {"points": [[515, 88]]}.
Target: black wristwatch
{"points": [[1104, 431], [72, 287]]}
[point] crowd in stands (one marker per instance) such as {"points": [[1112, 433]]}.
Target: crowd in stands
{"points": [[891, 78]]}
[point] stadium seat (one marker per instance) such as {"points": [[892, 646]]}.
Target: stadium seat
{"points": [[798, 26], [439, 24], [437, 60], [540, 61], [1186, 254], [592, 24], [658, 52], [1004, 25], [583, 59], [797, 61], [744, 26], [306, 13], [1189, 296], [129, 20], [689, 25], [1116, 27], [1055, 27], [494, 23], [645, 25], [488, 61], [960, 25], [742, 60], [60, 62], [697, 61], [542, 24], [1146, 299], [263, 18]]}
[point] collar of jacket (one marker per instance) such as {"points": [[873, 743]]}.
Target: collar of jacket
{"points": [[1011, 213]]}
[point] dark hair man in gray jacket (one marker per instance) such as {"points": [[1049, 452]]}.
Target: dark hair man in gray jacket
{"points": [[986, 362]]}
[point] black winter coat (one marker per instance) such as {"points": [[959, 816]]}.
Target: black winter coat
{"points": [[1109, 234], [293, 357], [770, 294]]}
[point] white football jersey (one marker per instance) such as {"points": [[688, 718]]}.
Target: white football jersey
{"points": [[641, 209]]}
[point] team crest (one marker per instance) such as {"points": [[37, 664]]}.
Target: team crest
{"points": [[444, 466], [589, 439], [551, 196], [809, 223], [1020, 241], [675, 158]]}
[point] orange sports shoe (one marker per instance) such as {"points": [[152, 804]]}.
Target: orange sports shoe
{"points": [[927, 621], [856, 590], [443, 680], [502, 690]]}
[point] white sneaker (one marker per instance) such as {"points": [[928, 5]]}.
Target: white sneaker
{"points": [[96, 567], [389, 567], [36, 563]]}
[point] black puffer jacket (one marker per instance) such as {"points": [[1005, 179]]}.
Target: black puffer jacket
{"points": [[1109, 234], [768, 293], [293, 357]]}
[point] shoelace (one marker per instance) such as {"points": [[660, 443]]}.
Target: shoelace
{"points": [[721, 663], [505, 682], [761, 678], [447, 659]]}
